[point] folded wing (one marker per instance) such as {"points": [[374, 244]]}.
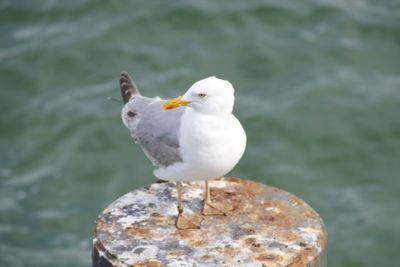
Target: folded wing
{"points": [[156, 130]]}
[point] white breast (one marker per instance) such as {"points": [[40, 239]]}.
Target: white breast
{"points": [[211, 145]]}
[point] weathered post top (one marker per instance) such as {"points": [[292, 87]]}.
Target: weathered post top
{"points": [[265, 226]]}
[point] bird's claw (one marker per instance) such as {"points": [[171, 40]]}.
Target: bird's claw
{"points": [[184, 221], [212, 209]]}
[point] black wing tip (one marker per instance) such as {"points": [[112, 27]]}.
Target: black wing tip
{"points": [[127, 86]]}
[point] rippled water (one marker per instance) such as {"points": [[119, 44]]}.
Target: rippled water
{"points": [[318, 92]]}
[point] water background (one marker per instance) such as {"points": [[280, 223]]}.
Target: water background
{"points": [[317, 90]]}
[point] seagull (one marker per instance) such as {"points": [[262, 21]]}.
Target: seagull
{"points": [[187, 138]]}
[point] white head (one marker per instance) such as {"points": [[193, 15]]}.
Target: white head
{"points": [[210, 96]]}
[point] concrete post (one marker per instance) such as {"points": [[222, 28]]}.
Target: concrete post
{"points": [[264, 226]]}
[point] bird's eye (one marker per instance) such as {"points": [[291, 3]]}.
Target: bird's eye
{"points": [[201, 95]]}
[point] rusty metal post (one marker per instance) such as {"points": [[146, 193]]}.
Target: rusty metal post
{"points": [[265, 226]]}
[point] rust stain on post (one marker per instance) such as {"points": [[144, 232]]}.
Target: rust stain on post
{"points": [[265, 226]]}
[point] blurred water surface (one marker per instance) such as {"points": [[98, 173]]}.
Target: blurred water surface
{"points": [[318, 92]]}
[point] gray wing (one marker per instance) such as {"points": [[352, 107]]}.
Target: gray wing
{"points": [[156, 130]]}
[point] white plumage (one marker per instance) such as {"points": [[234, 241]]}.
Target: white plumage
{"points": [[209, 139]]}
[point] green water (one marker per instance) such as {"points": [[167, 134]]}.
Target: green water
{"points": [[317, 90]]}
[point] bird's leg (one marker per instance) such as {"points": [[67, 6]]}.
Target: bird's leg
{"points": [[184, 221], [209, 208], [179, 192]]}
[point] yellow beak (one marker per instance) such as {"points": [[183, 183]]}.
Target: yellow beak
{"points": [[175, 102]]}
